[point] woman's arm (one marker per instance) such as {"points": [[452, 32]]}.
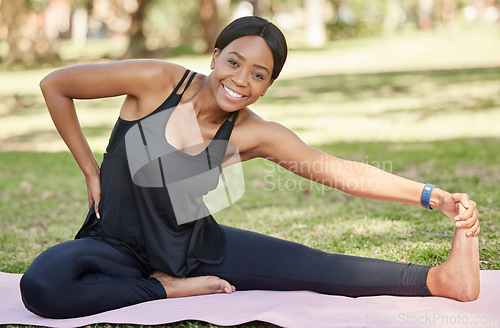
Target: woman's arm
{"points": [[143, 81], [280, 145]]}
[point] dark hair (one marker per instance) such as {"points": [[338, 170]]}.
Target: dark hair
{"points": [[253, 25]]}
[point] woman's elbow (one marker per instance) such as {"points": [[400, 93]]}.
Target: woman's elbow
{"points": [[46, 83]]}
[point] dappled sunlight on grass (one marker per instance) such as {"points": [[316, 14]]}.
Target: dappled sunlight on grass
{"points": [[407, 86], [393, 106], [473, 46], [33, 129], [379, 227]]}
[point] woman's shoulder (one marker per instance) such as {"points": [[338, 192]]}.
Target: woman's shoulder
{"points": [[251, 130], [160, 73], [250, 120], [149, 83], [257, 137]]}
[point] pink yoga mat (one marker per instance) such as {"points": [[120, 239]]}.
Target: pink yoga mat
{"points": [[287, 309]]}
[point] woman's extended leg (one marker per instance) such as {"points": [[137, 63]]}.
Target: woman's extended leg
{"points": [[257, 261], [82, 277]]}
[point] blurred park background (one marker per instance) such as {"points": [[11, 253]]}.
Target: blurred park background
{"points": [[430, 65], [411, 86]]}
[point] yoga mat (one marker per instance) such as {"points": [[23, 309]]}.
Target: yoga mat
{"points": [[287, 309]]}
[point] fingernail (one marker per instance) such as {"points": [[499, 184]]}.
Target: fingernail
{"points": [[469, 233], [226, 289], [98, 215], [458, 225], [457, 218], [467, 204]]}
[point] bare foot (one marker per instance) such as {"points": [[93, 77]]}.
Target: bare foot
{"points": [[192, 286], [458, 277]]}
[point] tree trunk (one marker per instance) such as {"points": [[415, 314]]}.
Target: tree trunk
{"points": [[389, 21], [26, 39], [480, 7], [209, 19], [260, 8], [137, 39], [79, 27], [316, 29], [425, 13], [20, 47]]}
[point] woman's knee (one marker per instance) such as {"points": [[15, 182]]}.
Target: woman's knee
{"points": [[38, 294], [33, 292]]}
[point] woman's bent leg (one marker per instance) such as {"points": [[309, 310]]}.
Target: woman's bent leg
{"points": [[83, 277], [257, 261]]}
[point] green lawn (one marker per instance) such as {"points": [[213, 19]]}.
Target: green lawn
{"points": [[42, 201], [435, 125]]}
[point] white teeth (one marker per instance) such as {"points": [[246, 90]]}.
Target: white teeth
{"points": [[232, 93]]}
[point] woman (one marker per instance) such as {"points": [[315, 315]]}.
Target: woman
{"points": [[134, 247]]}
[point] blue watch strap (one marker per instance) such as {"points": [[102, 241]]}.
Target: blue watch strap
{"points": [[425, 199]]}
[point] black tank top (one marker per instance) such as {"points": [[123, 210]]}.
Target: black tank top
{"points": [[138, 218]]}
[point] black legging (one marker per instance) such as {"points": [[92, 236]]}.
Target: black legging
{"points": [[86, 276]]}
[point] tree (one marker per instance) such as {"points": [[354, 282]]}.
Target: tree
{"points": [[209, 19], [316, 25], [425, 14], [25, 38], [137, 39]]}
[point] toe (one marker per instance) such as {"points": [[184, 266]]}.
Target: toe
{"points": [[225, 286]]}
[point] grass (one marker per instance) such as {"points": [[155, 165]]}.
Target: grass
{"points": [[432, 120], [392, 106], [42, 201]]}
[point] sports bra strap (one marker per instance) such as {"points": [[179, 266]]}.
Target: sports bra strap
{"points": [[234, 116], [180, 82], [187, 84]]}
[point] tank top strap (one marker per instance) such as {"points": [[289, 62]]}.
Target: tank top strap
{"points": [[122, 126], [235, 115], [180, 82], [224, 131], [230, 120], [187, 84]]}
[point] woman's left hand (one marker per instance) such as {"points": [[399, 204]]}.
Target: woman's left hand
{"points": [[468, 219]]}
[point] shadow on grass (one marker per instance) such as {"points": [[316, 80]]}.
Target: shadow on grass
{"points": [[405, 97], [35, 137], [447, 89], [400, 82]]}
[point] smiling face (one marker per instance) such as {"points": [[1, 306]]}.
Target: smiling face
{"points": [[241, 72]]}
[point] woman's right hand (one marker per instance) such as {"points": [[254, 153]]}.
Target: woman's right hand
{"points": [[94, 192]]}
